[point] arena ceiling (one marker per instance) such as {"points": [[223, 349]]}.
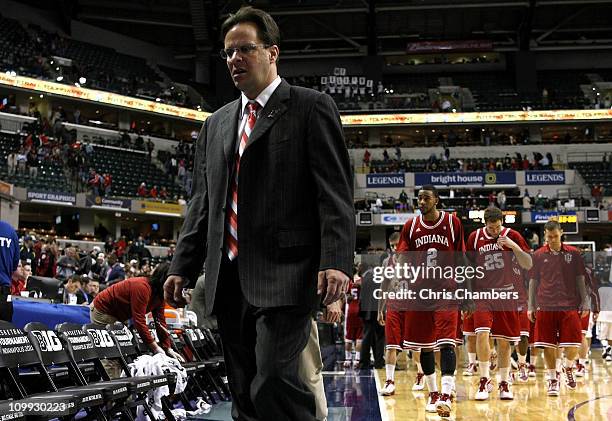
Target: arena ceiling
{"points": [[318, 28]]}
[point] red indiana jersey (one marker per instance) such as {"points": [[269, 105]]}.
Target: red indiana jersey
{"points": [[435, 243], [502, 270], [352, 304], [556, 273], [446, 234]]}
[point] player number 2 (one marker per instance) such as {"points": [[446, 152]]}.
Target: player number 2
{"points": [[494, 261], [431, 257]]}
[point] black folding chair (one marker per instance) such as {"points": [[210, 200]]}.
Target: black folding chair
{"points": [[113, 345], [215, 364], [53, 353], [139, 347], [82, 353], [201, 370], [44, 398]]}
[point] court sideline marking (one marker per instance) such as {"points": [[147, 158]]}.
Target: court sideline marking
{"points": [[384, 416], [570, 414]]}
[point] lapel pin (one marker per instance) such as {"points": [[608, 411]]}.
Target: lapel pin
{"points": [[273, 113]]}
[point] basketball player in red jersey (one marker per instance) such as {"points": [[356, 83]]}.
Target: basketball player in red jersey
{"points": [[587, 322], [502, 252], [557, 300], [392, 317], [435, 234], [353, 325]]}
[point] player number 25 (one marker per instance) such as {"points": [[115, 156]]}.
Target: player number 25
{"points": [[494, 261]]}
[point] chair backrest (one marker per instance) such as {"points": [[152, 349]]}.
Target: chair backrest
{"points": [[16, 350], [176, 339], [103, 342], [47, 343], [141, 346], [193, 341], [77, 341], [124, 338]]}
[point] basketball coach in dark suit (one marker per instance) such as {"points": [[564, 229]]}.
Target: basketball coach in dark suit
{"points": [[271, 218]]}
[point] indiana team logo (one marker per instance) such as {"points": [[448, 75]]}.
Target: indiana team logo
{"points": [[568, 258]]}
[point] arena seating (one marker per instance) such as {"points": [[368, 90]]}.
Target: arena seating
{"points": [[28, 51], [129, 169], [423, 165], [594, 173], [50, 174]]}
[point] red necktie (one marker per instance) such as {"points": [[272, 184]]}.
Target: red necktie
{"points": [[231, 236]]}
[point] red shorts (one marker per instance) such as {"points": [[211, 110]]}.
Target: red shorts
{"points": [[395, 324], [558, 328], [531, 332], [468, 326], [459, 335], [584, 323], [353, 328], [525, 323], [430, 329], [499, 324]]}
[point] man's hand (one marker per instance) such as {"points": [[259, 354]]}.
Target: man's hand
{"points": [[172, 354], [331, 281], [595, 316], [506, 242], [468, 307], [381, 317], [584, 309], [333, 313], [531, 315], [173, 291]]}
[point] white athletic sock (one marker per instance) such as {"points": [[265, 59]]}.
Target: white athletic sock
{"points": [[390, 368], [347, 355], [432, 382], [559, 364], [582, 361], [357, 355], [522, 359], [419, 368], [604, 343], [504, 374], [472, 357], [567, 363], [551, 374], [484, 368], [448, 383]]}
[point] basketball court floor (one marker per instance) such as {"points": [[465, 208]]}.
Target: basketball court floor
{"points": [[592, 399], [353, 395]]}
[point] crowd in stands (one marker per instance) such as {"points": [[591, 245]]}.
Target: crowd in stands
{"points": [[84, 272], [71, 165], [468, 199], [444, 163], [33, 51], [488, 91]]}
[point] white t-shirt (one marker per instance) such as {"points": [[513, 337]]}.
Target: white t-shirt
{"points": [[605, 298]]}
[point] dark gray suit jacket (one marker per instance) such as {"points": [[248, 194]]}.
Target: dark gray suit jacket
{"points": [[295, 200]]}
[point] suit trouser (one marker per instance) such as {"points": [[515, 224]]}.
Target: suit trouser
{"points": [[374, 338], [262, 348], [311, 365]]}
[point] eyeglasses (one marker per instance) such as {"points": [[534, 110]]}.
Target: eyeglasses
{"points": [[228, 53]]}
